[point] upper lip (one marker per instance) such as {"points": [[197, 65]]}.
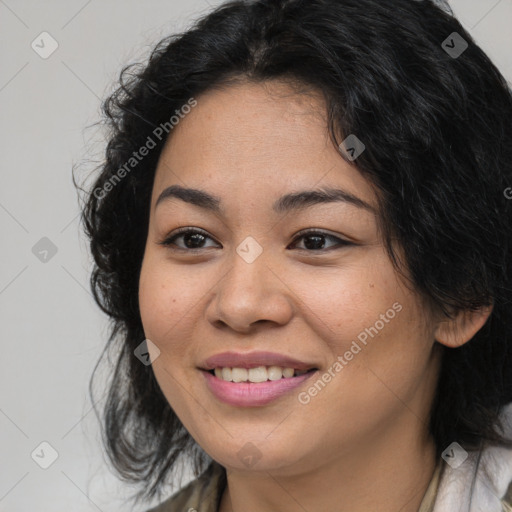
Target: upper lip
{"points": [[253, 360]]}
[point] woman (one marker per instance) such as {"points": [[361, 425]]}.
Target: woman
{"points": [[301, 233]]}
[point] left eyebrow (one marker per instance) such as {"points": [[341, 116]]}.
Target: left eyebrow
{"points": [[306, 198], [293, 201]]}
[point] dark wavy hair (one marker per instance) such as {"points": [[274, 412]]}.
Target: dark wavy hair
{"points": [[438, 136]]}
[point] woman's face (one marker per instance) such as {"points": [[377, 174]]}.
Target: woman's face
{"points": [[248, 282]]}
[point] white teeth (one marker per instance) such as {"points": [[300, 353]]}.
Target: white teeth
{"points": [[274, 373], [288, 372], [239, 374], [259, 374]]}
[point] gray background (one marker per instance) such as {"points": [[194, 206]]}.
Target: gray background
{"points": [[52, 332]]}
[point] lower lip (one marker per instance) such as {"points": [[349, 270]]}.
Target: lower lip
{"points": [[252, 394]]}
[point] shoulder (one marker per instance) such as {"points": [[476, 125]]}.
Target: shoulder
{"points": [[480, 479], [200, 495]]}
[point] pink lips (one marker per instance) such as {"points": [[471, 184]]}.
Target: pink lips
{"points": [[253, 360], [252, 394]]}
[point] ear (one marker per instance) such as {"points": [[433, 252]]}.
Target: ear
{"points": [[456, 331]]}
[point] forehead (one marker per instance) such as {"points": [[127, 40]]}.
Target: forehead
{"points": [[251, 137]]}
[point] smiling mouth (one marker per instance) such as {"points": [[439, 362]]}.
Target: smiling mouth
{"points": [[258, 374]]}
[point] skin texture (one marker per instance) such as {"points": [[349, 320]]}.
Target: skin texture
{"points": [[362, 442]]}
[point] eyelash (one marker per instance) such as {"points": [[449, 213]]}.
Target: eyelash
{"points": [[169, 241]]}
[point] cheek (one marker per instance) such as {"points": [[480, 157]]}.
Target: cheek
{"points": [[364, 314], [341, 302], [167, 296], [154, 298], [166, 301]]}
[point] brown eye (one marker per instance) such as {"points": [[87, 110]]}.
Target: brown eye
{"points": [[316, 241], [192, 239]]}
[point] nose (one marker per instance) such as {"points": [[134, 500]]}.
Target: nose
{"points": [[250, 294]]}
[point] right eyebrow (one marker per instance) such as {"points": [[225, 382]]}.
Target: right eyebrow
{"points": [[192, 196]]}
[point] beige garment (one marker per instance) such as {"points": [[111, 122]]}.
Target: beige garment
{"points": [[204, 493], [201, 495], [506, 501], [429, 498]]}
